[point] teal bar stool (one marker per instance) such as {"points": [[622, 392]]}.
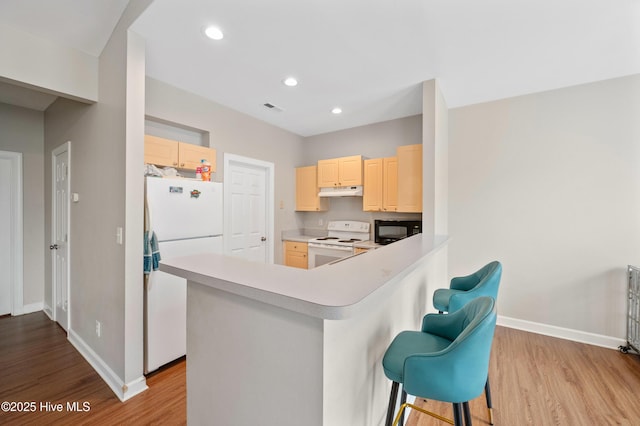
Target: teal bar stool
{"points": [[484, 282], [448, 360]]}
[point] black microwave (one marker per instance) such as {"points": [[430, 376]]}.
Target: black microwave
{"points": [[389, 231]]}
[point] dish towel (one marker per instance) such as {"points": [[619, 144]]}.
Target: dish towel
{"points": [[151, 252]]}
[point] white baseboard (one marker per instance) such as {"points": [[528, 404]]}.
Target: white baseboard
{"points": [[32, 307], [48, 311], [562, 333], [122, 390]]}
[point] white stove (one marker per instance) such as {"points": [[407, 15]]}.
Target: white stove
{"points": [[339, 243]]}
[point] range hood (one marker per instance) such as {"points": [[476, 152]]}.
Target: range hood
{"points": [[341, 191]]}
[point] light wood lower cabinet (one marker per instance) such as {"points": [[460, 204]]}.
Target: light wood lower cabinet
{"points": [[295, 254], [169, 153]]}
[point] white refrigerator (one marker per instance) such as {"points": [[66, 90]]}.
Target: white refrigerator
{"points": [[186, 216]]}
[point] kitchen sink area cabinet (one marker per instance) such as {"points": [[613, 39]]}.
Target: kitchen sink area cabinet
{"points": [[380, 184], [343, 171], [307, 190], [169, 153], [295, 254], [409, 178]]}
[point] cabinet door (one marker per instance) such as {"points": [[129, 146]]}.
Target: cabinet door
{"points": [[410, 178], [160, 151], [328, 173], [297, 260], [307, 190], [390, 184], [350, 171], [190, 156], [295, 254], [372, 195]]}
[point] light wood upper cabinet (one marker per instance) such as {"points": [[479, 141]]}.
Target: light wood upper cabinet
{"points": [[390, 184], [410, 178], [169, 153], [190, 155], [160, 151], [295, 254], [344, 171], [307, 190], [380, 184], [373, 185]]}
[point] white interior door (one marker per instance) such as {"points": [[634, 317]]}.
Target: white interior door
{"points": [[248, 208], [5, 236], [60, 234], [11, 300]]}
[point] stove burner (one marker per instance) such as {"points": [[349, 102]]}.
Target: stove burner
{"points": [[352, 240], [326, 238]]}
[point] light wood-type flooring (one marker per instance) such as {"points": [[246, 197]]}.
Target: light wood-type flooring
{"points": [[536, 380], [540, 380]]}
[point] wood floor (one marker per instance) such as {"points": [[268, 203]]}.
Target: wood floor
{"points": [[540, 380], [38, 364], [536, 380]]}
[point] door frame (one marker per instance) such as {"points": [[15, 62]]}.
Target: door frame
{"points": [[233, 159], [17, 232], [59, 149]]}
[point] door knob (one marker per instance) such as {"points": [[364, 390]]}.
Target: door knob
{"points": [[53, 247], [263, 239]]}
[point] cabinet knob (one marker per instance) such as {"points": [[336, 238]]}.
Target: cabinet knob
{"points": [[175, 164], [182, 165]]}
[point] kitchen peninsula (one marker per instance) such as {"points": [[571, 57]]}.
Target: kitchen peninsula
{"points": [[272, 345]]}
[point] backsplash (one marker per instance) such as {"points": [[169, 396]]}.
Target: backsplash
{"points": [[347, 208]]}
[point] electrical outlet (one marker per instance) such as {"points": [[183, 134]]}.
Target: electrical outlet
{"points": [[98, 328]]}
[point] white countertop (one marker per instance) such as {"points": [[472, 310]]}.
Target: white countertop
{"points": [[299, 238], [329, 292]]}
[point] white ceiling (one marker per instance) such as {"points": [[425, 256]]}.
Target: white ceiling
{"points": [[82, 24], [367, 56], [370, 56]]}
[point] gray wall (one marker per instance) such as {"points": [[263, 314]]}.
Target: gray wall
{"points": [[548, 184], [103, 286], [372, 141], [22, 130], [235, 133]]}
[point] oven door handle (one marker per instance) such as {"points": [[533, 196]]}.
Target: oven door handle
{"points": [[329, 247]]}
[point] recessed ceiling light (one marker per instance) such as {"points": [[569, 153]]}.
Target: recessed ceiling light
{"points": [[290, 81], [214, 33], [336, 110]]}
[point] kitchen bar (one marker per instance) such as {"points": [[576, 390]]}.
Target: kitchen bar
{"points": [[268, 344]]}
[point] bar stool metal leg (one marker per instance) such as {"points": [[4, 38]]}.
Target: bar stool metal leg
{"points": [[457, 414], [392, 404], [487, 394], [467, 413]]}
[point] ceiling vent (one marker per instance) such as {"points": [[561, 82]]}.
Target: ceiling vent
{"points": [[273, 107]]}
